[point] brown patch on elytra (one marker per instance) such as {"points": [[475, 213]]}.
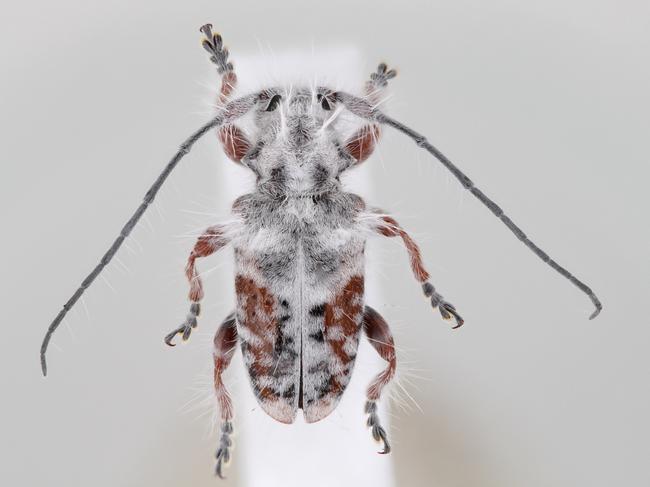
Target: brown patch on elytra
{"points": [[393, 229], [362, 144], [258, 306], [342, 312], [335, 386]]}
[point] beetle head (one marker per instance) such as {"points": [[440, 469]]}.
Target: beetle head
{"points": [[299, 144]]}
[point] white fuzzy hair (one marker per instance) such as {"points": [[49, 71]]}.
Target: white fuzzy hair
{"points": [[341, 68]]}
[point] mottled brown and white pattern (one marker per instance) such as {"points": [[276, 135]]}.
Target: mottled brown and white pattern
{"points": [[299, 299]]}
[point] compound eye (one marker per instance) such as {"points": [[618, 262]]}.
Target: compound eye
{"points": [[273, 103], [324, 102]]}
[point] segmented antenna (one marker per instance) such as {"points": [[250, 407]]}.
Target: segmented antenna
{"points": [[364, 109], [467, 183], [231, 111]]}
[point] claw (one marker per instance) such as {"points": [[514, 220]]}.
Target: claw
{"points": [[185, 332], [379, 434], [377, 431], [447, 310], [170, 337], [223, 457], [217, 469], [450, 309]]}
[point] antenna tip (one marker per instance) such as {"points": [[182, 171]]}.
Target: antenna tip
{"points": [[599, 307]]}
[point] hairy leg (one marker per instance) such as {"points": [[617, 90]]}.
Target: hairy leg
{"points": [[362, 144], [380, 337], [378, 81], [213, 43], [234, 142], [212, 240], [225, 342], [389, 227]]}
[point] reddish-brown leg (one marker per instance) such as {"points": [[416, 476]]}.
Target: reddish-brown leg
{"points": [[362, 144], [380, 337], [389, 227], [225, 342], [234, 142], [212, 240]]}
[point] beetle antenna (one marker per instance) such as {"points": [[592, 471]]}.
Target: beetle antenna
{"points": [[233, 110], [362, 108]]}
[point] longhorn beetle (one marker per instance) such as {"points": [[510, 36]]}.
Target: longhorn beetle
{"points": [[299, 242]]}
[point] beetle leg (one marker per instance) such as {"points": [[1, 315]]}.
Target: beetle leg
{"points": [[362, 144], [447, 310], [390, 228], [380, 337], [212, 240], [232, 138], [225, 342], [212, 42], [378, 82]]}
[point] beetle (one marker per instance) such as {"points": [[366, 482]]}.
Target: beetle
{"points": [[299, 242]]}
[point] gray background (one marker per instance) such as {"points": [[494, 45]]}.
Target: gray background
{"points": [[544, 104]]}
